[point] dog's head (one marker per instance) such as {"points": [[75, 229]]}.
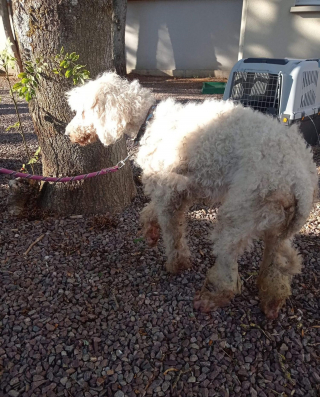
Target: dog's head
{"points": [[107, 108]]}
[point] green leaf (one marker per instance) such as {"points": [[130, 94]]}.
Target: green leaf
{"points": [[62, 64], [137, 240], [24, 89], [22, 75], [25, 81], [68, 73], [16, 86], [11, 63], [13, 126], [28, 97]]}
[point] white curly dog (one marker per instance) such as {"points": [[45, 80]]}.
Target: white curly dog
{"points": [[259, 170]]}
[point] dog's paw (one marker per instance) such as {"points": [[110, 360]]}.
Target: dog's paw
{"points": [[152, 234], [179, 265], [271, 308], [206, 301], [273, 293]]}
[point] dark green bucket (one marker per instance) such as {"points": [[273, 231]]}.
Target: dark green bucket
{"points": [[213, 88]]}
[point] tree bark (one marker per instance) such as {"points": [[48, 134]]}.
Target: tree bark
{"points": [[85, 27], [119, 27]]}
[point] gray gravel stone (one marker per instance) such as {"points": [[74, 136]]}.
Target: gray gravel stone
{"points": [[91, 309], [165, 386], [13, 393], [64, 380]]}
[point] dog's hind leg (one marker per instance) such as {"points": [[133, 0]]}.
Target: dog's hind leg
{"points": [[233, 233], [286, 214], [275, 218], [222, 282], [280, 262]]}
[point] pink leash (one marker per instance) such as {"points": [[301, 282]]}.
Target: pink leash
{"points": [[61, 179], [16, 174]]}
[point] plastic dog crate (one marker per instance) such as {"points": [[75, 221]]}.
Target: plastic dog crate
{"points": [[288, 89], [213, 88]]}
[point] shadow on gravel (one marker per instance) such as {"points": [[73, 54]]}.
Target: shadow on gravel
{"points": [[15, 138], [12, 164], [10, 109], [310, 241]]}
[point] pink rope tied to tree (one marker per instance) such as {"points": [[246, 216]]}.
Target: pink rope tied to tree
{"points": [[39, 178]]}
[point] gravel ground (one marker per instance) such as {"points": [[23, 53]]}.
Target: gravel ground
{"points": [[90, 311]]}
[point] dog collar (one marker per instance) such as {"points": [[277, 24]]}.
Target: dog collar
{"points": [[143, 127]]}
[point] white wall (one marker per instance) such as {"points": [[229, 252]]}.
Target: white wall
{"points": [[180, 37], [183, 37], [272, 30]]}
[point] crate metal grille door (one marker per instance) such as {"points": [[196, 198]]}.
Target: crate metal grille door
{"points": [[259, 90]]}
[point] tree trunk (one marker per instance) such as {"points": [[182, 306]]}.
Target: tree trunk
{"points": [[85, 27], [4, 14], [119, 27]]}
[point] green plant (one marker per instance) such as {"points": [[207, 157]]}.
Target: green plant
{"points": [[30, 79], [7, 62], [33, 159], [67, 66], [13, 126]]}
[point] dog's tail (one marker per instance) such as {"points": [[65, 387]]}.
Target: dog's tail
{"points": [[298, 208], [290, 209]]}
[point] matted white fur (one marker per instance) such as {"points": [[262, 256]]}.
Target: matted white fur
{"points": [[110, 104], [261, 171]]}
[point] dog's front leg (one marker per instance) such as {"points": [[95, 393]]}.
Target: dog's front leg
{"points": [[171, 218], [150, 224]]}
